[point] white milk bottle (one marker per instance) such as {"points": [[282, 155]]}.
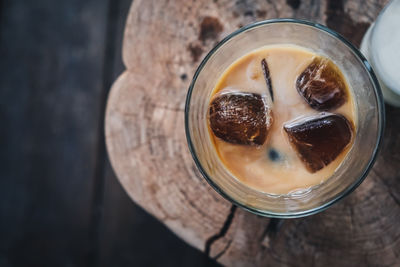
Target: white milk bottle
{"points": [[381, 46]]}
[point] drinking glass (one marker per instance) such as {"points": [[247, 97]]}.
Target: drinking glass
{"points": [[369, 118], [381, 46]]}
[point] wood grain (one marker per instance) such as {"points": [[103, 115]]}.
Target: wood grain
{"points": [[60, 203], [49, 109], [164, 42], [127, 235]]}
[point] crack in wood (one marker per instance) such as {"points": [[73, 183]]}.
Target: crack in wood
{"points": [[222, 232], [295, 4], [271, 231], [219, 255], [164, 216]]}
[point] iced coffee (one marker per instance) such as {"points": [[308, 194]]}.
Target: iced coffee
{"points": [[282, 119]]}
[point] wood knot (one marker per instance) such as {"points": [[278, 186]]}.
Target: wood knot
{"points": [[210, 28], [261, 13], [195, 51], [183, 77]]}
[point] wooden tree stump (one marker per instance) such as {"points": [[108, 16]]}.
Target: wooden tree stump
{"points": [[164, 42]]}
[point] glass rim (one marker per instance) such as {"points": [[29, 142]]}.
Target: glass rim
{"points": [[381, 120]]}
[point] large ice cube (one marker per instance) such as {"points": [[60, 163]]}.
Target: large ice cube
{"points": [[240, 118], [322, 85], [318, 140]]}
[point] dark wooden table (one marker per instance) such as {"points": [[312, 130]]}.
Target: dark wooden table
{"points": [[60, 203]]}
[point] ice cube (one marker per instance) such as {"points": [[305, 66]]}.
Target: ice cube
{"points": [[240, 118], [321, 84], [318, 140]]}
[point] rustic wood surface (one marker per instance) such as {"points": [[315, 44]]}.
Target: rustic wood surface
{"points": [[164, 42], [60, 202]]}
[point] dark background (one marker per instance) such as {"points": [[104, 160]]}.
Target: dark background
{"points": [[60, 202]]}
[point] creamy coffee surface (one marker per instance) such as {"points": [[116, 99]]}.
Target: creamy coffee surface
{"points": [[269, 161]]}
